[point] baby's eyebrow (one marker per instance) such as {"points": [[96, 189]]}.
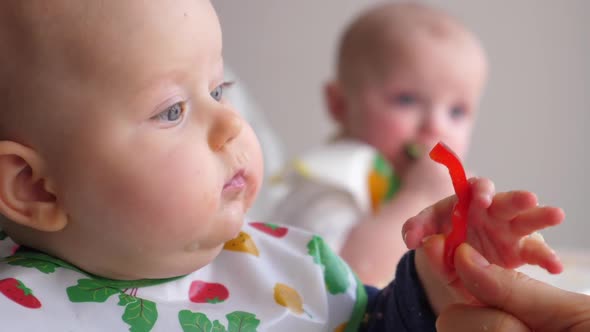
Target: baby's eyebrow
{"points": [[159, 80], [218, 72], [174, 78], [152, 91]]}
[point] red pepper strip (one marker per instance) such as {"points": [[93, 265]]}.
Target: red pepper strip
{"points": [[444, 155]]}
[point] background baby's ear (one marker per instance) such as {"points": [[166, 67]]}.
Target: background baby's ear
{"points": [[335, 101], [26, 197]]}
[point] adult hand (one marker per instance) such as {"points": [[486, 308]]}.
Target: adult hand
{"points": [[511, 301]]}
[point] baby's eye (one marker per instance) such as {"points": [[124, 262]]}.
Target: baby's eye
{"points": [[404, 99], [172, 113], [458, 112], [217, 93]]}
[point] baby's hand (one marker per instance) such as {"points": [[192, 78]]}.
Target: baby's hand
{"points": [[498, 226]]}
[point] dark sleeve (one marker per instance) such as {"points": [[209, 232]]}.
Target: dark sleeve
{"points": [[402, 306]]}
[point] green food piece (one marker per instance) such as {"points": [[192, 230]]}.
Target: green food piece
{"points": [[414, 151]]}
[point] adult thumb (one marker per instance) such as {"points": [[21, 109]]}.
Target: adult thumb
{"points": [[540, 306]]}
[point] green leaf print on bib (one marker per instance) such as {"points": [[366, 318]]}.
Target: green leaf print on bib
{"points": [[41, 265], [27, 257], [217, 327], [194, 321], [140, 314], [88, 290], [336, 273], [239, 321]]}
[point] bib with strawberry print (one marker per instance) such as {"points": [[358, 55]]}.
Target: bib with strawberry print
{"points": [[269, 278]]}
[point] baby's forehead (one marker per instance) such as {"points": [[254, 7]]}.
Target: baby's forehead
{"points": [[391, 34], [62, 51], [40, 49], [62, 29], [46, 36], [400, 25], [88, 38]]}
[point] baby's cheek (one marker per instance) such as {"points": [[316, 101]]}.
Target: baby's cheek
{"points": [[458, 139], [457, 143], [389, 143], [172, 207]]}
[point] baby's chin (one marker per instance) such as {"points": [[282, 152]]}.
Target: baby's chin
{"points": [[233, 229], [185, 264], [234, 221], [204, 258], [225, 229], [199, 253]]}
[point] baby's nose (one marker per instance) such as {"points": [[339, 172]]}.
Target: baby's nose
{"points": [[226, 126], [432, 125]]}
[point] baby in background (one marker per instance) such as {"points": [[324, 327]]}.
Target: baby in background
{"points": [[407, 76], [125, 176]]}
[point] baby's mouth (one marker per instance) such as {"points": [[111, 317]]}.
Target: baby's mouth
{"points": [[414, 151], [237, 182]]}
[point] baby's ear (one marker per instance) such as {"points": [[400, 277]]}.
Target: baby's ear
{"points": [[26, 197], [335, 101]]}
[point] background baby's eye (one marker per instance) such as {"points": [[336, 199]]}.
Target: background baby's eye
{"points": [[172, 113], [458, 112], [404, 99]]}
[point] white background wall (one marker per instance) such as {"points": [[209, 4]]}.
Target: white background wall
{"points": [[531, 132]]}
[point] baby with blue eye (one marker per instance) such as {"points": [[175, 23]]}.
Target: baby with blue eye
{"points": [[407, 76], [125, 177]]}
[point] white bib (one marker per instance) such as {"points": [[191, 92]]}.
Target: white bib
{"points": [[269, 278]]}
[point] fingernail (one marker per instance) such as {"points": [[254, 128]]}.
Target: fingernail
{"points": [[537, 236], [488, 199], [477, 259]]}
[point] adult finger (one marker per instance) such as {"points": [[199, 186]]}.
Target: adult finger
{"points": [[538, 305], [469, 318]]}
